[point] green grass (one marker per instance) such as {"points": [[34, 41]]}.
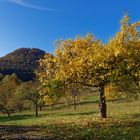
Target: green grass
{"points": [[123, 122]]}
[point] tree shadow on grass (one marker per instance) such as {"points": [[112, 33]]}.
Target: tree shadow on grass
{"points": [[76, 114], [63, 105], [102, 131], [15, 117]]}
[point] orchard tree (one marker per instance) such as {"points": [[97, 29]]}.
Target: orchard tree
{"points": [[86, 61], [18, 100], [83, 61], [8, 86], [72, 90], [51, 92], [29, 92], [79, 61], [53, 89]]}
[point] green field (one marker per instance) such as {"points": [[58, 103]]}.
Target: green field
{"points": [[123, 123]]}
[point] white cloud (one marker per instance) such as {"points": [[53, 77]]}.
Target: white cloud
{"points": [[25, 4]]}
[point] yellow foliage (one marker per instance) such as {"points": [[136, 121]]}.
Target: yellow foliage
{"points": [[88, 61]]}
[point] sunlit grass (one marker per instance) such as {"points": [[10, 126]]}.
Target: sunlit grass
{"points": [[123, 122]]}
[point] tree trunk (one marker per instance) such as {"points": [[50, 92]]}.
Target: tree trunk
{"points": [[74, 103], [19, 108], [36, 109], [40, 107], [66, 104], [8, 113], [52, 106], [102, 102]]}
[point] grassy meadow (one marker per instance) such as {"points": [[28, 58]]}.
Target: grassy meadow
{"points": [[61, 122]]}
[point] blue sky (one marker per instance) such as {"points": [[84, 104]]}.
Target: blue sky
{"points": [[38, 23]]}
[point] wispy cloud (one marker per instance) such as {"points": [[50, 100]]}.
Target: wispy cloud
{"points": [[28, 5]]}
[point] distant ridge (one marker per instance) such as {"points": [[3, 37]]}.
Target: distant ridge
{"points": [[22, 61]]}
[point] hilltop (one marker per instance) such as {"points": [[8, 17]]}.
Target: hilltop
{"points": [[22, 61]]}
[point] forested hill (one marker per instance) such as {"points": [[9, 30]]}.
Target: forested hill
{"points": [[22, 61]]}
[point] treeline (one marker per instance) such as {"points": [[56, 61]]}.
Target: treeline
{"points": [[18, 96]]}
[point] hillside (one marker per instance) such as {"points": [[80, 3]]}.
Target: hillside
{"points": [[22, 61]]}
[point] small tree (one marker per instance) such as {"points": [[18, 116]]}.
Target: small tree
{"points": [[18, 102], [52, 91], [29, 91], [8, 86]]}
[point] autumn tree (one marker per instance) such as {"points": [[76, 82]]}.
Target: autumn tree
{"points": [[53, 89], [78, 61], [51, 92], [86, 61], [18, 100], [72, 91], [8, 86], [29, 92]]}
